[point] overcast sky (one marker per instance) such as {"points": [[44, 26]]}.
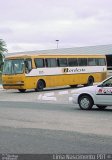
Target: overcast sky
{"points": [[27, 25]]}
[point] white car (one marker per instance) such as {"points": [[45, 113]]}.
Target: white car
{"points": [[99, 95]]}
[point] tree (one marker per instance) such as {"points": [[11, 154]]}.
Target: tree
{"points": [[2, 47], [2, 50]]}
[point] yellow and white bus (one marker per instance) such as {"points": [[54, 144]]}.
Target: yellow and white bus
{"points": [[39, 71]]}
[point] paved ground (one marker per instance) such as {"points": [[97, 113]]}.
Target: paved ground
{"points": [[44, 141], [55, 117], [28, 127], [48, 122], [58, 95]]}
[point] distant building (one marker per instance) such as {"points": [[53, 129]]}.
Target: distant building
{"points": [[99, 49]]}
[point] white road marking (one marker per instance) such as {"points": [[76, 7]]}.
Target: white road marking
{"points": [[49, 94], [63, 92], [40, 96], [73, 91], [49, 98]]}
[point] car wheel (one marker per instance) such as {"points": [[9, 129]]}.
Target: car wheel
{"points": [[85, 102], [101, 107], [22, 90], [40, 85]]}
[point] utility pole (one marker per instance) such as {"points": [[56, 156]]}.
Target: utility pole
{"points": [[57, 40]]}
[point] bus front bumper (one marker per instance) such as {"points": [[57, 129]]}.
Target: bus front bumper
{"points": [[13, 85]]}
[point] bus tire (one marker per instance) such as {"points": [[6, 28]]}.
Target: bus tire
{"points": [[40, 86], [85, 102], [90, 81], [22, 90]]}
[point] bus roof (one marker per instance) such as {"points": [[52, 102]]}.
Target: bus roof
{"points": [[51, 55]]}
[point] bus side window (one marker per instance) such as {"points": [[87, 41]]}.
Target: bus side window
{"points": [[51, 62], [62, 62], [92, 62], [101, 62], [82, 61], [72, 62], [28, 65], [39, 62]]}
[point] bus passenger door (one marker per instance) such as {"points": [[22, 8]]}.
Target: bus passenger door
{"points": [[28, 65]]}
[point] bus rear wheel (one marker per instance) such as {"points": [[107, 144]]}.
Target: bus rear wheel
{"points": [[90, 81], [40, 86], [22, 90]]}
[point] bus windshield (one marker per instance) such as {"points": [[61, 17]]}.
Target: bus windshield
{"points": [[13, 66]]}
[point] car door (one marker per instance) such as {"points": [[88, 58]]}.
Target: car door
{"points": [[103, 93]]}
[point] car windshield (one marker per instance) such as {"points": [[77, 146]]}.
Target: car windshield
{"points": [[108, 82], [13, 66]]}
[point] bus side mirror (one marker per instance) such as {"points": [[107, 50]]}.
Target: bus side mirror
{"points": [[1, 64]]}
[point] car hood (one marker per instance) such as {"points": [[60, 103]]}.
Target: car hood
{"points": [[85, 89]]}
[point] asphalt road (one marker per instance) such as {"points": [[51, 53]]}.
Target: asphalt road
{"points": [[31, 127]]}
